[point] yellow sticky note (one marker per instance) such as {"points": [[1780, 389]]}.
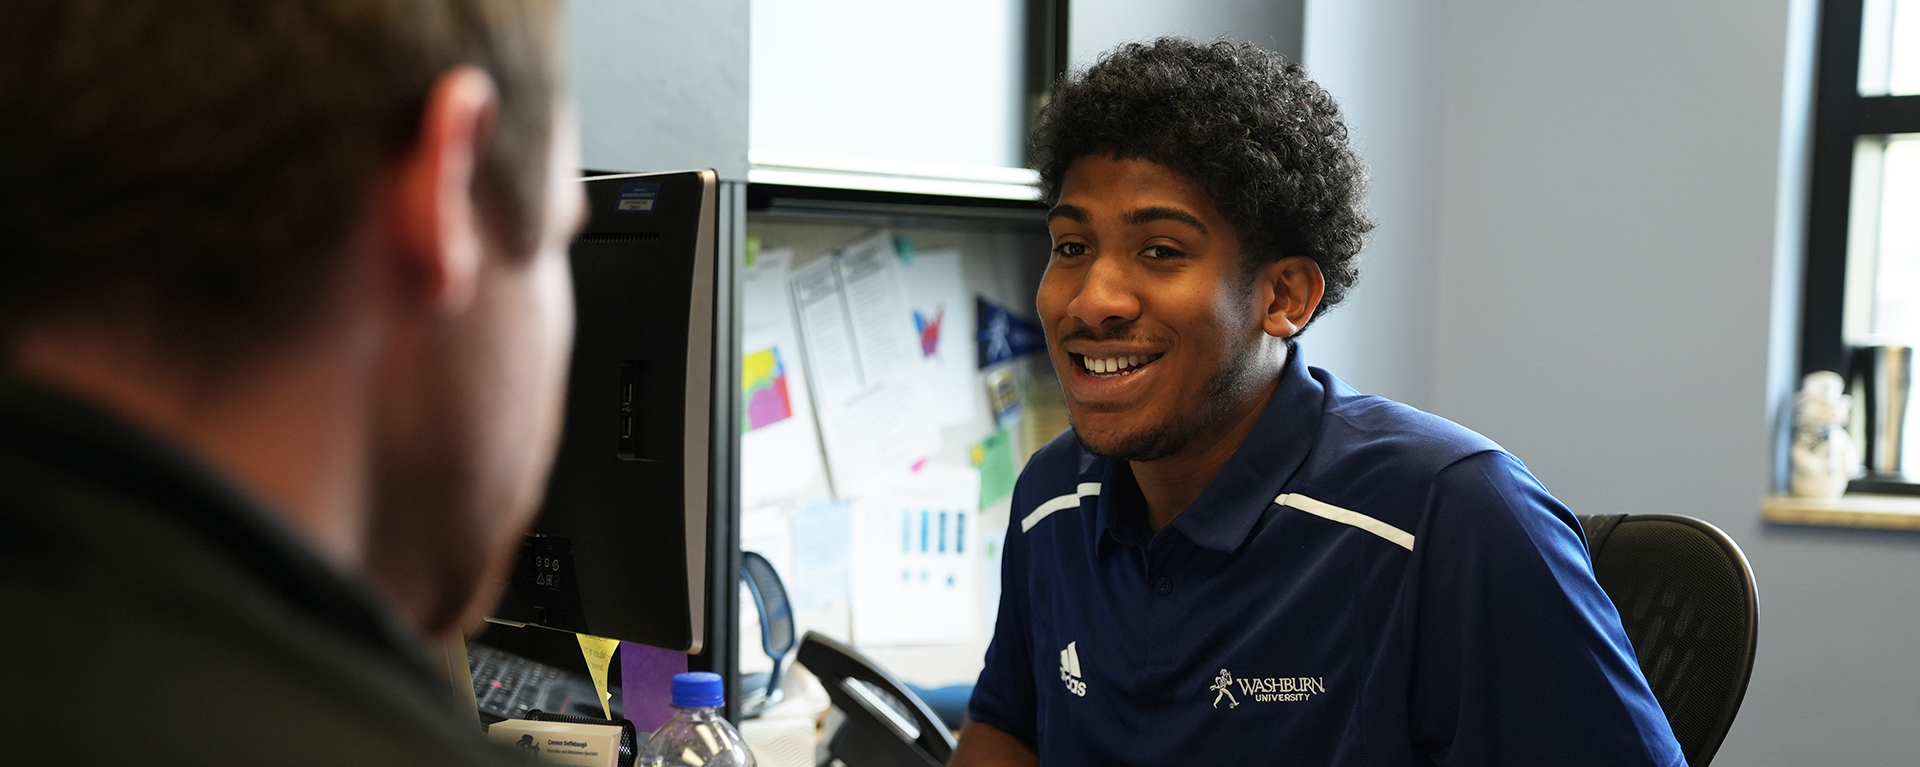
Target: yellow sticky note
{"points": [[599, 652]]}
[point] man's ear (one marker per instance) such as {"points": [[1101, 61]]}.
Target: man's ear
{"points": [[435, 214], [1292, 288]]}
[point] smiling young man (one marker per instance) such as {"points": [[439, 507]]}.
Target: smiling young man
{"points": [[1234, 558], [285, 316]]}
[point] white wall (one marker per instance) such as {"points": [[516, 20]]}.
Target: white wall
{"points": [[1610, 268], [662, 85], [890, 80]]}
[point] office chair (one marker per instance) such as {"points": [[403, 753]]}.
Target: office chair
{"points": [[761, 690], [1686, 597]]}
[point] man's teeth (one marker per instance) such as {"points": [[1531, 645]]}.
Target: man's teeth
{"points": [[1112, 364]]}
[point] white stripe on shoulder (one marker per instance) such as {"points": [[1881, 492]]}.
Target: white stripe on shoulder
{"points": [[1057, 503], [1399, 537]]}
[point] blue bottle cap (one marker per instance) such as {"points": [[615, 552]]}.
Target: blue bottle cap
{"points": [[698, 689]]}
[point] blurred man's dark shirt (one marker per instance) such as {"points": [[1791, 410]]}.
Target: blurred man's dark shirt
{"points": [[153, 614]]}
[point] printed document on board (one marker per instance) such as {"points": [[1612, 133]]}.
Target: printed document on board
{"points": [[779, 450], [860, 347], [916, 560], [943, 336]]}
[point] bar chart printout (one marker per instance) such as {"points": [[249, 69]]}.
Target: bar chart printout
{"points": [[916, 564]]}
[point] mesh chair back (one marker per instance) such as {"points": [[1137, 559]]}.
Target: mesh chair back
{"points": [[776, 619], [761, 689], [1686, 598]]}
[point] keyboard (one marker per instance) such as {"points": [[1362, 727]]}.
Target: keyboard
{"points": [[507, 686]]}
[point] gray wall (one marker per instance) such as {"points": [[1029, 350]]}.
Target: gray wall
{"points": [[1599, 228], [662, 85], [1380, 59]]}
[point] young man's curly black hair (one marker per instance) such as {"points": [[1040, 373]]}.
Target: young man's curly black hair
{"points": [[1266, 143]]}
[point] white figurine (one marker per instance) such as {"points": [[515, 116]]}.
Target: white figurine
{"points": [[1823, 454]]}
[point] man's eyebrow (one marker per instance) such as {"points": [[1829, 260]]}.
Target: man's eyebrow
{"points": [[1069, 212], [1149, 215]]}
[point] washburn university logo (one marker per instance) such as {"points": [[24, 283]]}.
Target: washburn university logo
{"points": [[1273, 689], [1070, 670], [1224, 685]]}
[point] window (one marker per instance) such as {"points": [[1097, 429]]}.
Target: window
{"points": [[1863, 233], [1883, 241]]}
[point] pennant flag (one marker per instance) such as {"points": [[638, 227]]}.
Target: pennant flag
{"points": [[1004, 335]]}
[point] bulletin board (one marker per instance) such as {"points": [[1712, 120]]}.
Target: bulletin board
{"points": [[878, 453]]}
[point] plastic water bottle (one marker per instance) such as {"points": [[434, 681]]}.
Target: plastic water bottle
{"points": [[696, 736]]}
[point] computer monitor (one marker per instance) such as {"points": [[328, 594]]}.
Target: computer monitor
{"points": [[634, 541]]}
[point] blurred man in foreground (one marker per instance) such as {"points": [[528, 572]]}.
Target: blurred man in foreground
{"points": [[284, 321]]}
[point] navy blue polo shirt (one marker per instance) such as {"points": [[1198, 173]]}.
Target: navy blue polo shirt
{"points": [[1363, 584]]}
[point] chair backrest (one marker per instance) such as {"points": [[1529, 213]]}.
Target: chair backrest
{"points": [[1686, 598], [762, 689]]}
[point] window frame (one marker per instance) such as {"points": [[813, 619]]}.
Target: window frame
{"points": [[1841, 117]]}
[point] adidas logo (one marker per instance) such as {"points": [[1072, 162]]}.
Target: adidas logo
{"points": [[1070, 670]]}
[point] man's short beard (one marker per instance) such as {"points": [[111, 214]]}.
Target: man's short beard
{"points": [[1226, 390]]}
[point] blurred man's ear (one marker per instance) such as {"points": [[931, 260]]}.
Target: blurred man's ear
{"points": [[1291, 289], [435, 217]]}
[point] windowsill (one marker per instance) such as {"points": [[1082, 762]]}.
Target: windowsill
{"points": [[1885, 512]]}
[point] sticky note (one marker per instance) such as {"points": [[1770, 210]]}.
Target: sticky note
{"points": [[993, 456], [599, 654]]}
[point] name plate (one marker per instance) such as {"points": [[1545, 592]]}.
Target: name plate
{"points": [[583, 745]]}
